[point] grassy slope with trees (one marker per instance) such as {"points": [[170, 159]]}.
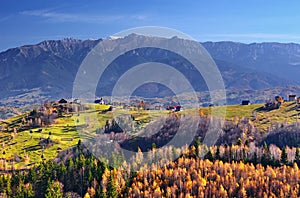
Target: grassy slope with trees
{"points": [[26, 144], [257, 169]]}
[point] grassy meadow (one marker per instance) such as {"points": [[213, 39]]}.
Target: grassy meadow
{"points": [[64, 134]]}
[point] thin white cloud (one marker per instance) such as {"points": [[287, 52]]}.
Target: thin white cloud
{"points": [[59, 17], [6, 18]]}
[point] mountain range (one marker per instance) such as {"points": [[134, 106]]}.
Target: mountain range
{"points": [[47, 70]]}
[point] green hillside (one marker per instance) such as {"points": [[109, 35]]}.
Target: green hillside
{"points": [[262, 119], [28, 144], [24, 148]]}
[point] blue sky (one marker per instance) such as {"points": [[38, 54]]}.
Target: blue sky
{"points": [[32, 21]]}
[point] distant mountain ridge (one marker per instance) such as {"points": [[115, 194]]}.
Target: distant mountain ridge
{"points": [[280, 59], [49, 66], [48, 69]]}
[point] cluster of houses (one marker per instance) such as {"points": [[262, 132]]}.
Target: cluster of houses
{"points": [[137, 104], [55, 106], [141, 105], [278, 99], [58, 107]]}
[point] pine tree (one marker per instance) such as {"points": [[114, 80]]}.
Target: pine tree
{"points": [[16, 179], [69, 175], [31, 176], [29, 191], [90, 177], [297, 156], [265, 159], [8, 187], [265, 147], [153, 146], [79, 144], [100, 193], [111, 187], [217, 155], [284, 157], [20, 191], [226, 156], [246, 143], [2, 182], [197, 144], [54, 190], [209, 156], [255, 158], [239, 141]]}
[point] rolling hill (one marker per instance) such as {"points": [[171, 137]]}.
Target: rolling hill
{"points": [[24, 147]]}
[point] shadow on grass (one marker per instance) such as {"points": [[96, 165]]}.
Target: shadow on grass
{"points": [[33, 148]]}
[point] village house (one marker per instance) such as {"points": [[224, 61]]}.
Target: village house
{"points": [[292, 98], [99, 101], [246, 102]]}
